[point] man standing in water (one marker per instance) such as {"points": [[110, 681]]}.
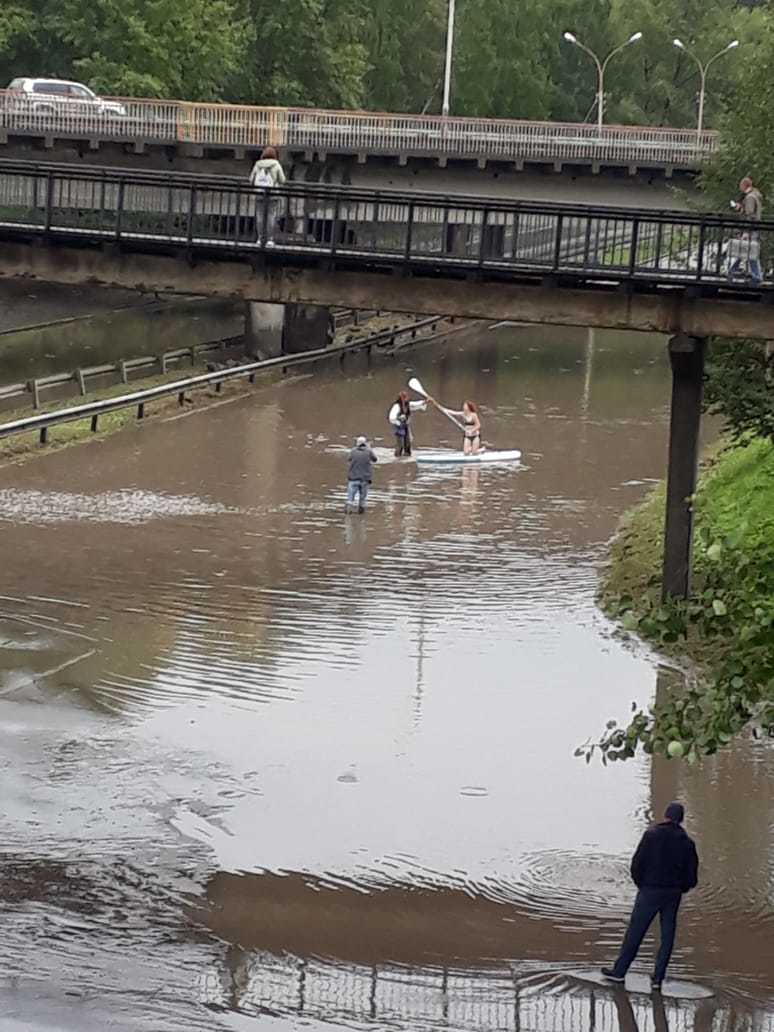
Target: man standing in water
{"points": [[360, 464], [664, 866]]}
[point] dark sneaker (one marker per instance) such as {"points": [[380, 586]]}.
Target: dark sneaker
{"points": [[610, 974], [361, 509]]}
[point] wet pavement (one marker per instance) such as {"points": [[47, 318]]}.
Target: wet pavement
{"points": [[266, 764]]}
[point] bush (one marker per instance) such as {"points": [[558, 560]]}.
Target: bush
{"points": [[740, 387]]}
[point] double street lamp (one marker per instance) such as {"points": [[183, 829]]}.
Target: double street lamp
{"points": [[601, 67], [703, 73]]}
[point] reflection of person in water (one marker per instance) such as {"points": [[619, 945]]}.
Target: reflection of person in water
{"points": [[627, 1022]]}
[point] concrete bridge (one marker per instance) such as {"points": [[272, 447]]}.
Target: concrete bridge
{"points": [[627, 165], [464, 256], [194, 129]]}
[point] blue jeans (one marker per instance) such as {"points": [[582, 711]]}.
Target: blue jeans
{"points": [[649, 902], [754, 269], [355, 488]]}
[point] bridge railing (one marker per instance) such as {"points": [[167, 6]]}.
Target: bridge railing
{"points": [[233, 125], [362, 227]]}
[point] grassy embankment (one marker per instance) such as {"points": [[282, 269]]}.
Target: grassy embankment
{"points": [[727, 628]]}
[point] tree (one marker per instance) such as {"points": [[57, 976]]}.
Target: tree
{"points": [[305, 52], [160, 48], [406, 47], [740, 387]]}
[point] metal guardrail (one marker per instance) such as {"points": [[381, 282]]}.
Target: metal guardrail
{"points": [[34, 388], [92, 410], [381, 230], [357, 132]]}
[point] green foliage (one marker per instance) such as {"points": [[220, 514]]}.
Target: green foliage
{"points": [[157, 48], [740, 387], [747, 128], [727, 626], [305, 52]]}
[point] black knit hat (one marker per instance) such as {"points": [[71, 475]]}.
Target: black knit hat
{"points": [[675, 812]]}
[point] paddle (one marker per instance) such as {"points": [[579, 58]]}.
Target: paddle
{"points": [[416, 386]]}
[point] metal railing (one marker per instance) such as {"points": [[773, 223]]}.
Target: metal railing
{"points": [[82, 378], [355, 132], [381, 230], [92, 410]]}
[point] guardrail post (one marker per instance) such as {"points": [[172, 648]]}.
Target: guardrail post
{"points": [[482, 243], [35, 394], [94, 421], [120, 207], [633, 243], [334, 226], [81, 382], [409, 231], [43, 438], [141, 410], [558, 240], [49, 202], [191, 209], [700, 252]]}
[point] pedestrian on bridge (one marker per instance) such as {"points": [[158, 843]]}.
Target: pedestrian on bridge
{"points": [[266, 173], [746, 247], [361, 461], [664, 867]]}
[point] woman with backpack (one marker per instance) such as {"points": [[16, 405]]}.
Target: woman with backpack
{"points": [[266, 174]]}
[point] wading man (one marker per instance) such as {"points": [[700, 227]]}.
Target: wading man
{"points": [[664, 866], [360, 463]]}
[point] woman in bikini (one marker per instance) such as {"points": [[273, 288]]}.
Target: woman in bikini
{"points": [[471, 444]]}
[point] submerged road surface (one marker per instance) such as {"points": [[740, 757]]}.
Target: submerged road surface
{"points": [[267, 766]]}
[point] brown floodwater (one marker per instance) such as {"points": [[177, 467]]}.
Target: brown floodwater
{"points": [[265, 764]]}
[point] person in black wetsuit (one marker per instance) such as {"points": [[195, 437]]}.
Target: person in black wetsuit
{"points": [[664, 867]]}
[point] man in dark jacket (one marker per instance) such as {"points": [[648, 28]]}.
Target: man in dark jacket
{"points": [[360, 463], [664, 866]]}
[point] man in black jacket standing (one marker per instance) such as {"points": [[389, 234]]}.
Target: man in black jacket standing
{"points": [[664, 866]]}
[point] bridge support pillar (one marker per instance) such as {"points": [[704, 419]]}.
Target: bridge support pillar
{"points": [[686, 355], [306, 328]]}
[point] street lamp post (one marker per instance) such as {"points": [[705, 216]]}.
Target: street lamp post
{"points": [[703, 73], [449, 54], [601, 67]]}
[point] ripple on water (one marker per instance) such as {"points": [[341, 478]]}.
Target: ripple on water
{"points": [[125, 506]]}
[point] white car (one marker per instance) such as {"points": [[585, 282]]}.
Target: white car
{"points": [[59, 96]]}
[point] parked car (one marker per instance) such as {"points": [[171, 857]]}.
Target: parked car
{"points": [[58, 96]]}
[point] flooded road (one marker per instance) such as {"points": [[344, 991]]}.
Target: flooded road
{"points": [[266, 764]]}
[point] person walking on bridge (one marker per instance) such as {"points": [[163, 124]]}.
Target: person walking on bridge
{"points": [[664, 867], [361, 460], [266, 173], [746, 247]]}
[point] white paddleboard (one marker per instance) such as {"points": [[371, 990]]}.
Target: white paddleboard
{"points": [[640, 984], [438, 458]]}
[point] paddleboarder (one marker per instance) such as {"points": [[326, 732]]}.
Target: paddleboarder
{"points": [[664, 867], [400, 418], [360, 463], [471, 425]]}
